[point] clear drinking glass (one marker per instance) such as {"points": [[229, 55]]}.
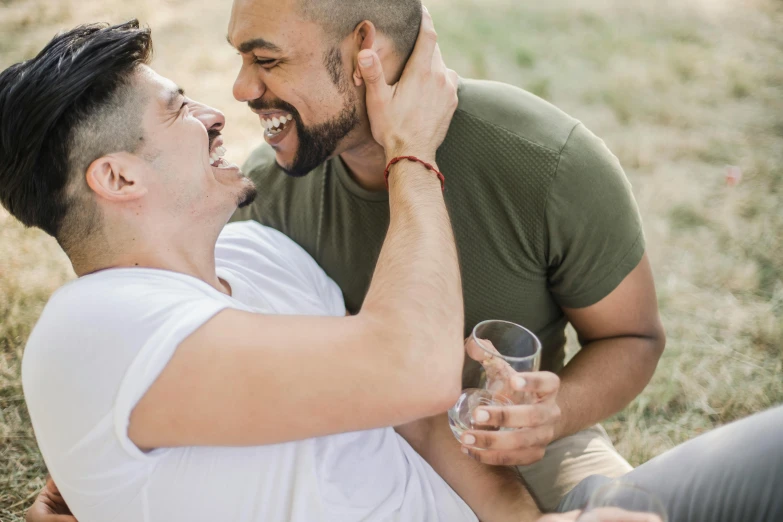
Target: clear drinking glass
{"points": [[505, 348], [610, 501], [461, 414]]}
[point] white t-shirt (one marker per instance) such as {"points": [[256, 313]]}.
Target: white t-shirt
{"points": [[103, 339]]}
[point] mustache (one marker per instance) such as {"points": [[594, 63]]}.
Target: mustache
{"points": [[213, 134], [273, 105]]}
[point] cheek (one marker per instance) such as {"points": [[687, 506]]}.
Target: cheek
{"points": [[315, 96]]}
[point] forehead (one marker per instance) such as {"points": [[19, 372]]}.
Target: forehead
{"points": [[153, 87], [276, 22]]}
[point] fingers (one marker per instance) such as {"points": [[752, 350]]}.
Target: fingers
{"points": [[516, 440], [426, 43], [378, 91], [370, 67], [478, 352], [518, 416], [540, 383], [522, 457]]}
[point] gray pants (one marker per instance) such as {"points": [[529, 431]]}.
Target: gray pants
{"points": [[731, 474]]}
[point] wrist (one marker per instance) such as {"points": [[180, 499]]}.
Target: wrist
{"points": [[415, 159], [401, 149]]}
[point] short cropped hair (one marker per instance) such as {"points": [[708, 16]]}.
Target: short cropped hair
{"points": [[59, 112], [399, 19]]}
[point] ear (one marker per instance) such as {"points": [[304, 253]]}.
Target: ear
{"points": [[113, 178], [363, 37]]}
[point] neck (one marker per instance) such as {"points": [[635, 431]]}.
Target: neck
{"points": [[366, 163], [190, 252]]}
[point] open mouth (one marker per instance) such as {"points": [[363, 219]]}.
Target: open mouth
{"points": [[276, 125], [217, 152]]}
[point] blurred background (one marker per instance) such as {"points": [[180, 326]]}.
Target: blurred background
{"points": [[687, 93]]}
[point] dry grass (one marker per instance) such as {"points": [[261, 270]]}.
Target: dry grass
{"points": [[678, 89]]}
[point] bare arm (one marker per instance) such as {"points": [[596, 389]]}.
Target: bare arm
{"points": [[239, 378], [494, 493], [623, 339]]}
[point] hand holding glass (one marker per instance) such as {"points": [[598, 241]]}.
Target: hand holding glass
{"points": [[498, 351]]}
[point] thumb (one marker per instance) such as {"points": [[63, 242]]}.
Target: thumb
{"points": [[372, 73]]}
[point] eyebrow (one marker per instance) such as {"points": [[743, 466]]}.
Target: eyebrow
{"points": [[173, 96], [252, 45]]}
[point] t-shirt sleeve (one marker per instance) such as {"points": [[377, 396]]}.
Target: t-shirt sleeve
{"points": [[593, 223], [175, 321], [328, 291]]}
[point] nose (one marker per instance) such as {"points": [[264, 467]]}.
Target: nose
{"points": [[248, 86], [213, 119]]}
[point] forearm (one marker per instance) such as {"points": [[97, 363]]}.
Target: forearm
{"points": [[603, 378], [416, 289], [494, 493]]}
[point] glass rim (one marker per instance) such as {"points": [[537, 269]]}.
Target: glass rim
{"points": [[507, 357]]}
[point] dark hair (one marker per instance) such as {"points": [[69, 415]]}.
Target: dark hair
{"points": [[399, 19], [54, 112]]}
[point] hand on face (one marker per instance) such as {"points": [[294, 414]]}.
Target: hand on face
{"points": [[534, 417], [413, 116]]}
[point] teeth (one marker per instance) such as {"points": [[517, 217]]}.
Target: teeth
{"points": [[220, 151], [289, 117], [276, 122]]}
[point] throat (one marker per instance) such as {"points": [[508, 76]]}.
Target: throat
{"points": [[365, 165]]}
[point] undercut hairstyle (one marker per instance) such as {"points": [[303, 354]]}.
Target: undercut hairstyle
{"points": [[399, 19], [59, 112]]}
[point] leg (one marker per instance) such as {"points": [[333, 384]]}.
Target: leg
{"points": [[570, 460], [733, 473]]}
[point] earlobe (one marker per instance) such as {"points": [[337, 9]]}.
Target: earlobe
{"points": [[109, 178]]}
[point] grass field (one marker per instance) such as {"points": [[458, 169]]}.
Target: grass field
{"points": [[678, 89]]}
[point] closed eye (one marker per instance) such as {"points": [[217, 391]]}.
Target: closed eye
{"points": [[265, 62]]}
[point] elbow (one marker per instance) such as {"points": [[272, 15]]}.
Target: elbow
{"points": [[442, 377], [425, 363]]}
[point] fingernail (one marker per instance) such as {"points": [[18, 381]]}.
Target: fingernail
{"points": [[425, 8], [469, 440], [465, 451], [365, 60], [482, 416], [519, 383]]}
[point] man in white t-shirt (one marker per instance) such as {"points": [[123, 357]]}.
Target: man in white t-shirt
{"points": [[196, 372]]}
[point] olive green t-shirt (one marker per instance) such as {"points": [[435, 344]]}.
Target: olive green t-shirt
{"points": [[542, 212]]}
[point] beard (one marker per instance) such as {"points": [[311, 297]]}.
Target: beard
{"points": [[247, 196], [318, 143]]}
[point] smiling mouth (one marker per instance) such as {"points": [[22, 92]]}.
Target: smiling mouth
{"points": [[276, 125], [217, 151]]}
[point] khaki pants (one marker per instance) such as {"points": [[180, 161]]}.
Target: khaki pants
{"points": [[570, 460]]}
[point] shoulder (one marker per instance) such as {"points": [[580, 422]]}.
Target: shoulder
{"points": [[515, 112], [253, 237], [251, 246], [261, 162], [277, 191], [101, 321], [116, 303]]}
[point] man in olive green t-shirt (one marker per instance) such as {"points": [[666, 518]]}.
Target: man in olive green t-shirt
{"points": [[546, 225]]}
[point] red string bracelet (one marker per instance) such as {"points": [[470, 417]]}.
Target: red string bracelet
{"points": [[414, 158]]}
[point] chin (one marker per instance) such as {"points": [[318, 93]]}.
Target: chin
{"points": [[247, 196]]}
